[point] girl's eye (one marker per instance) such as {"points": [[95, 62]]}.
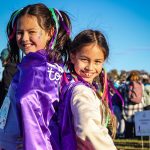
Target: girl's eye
{"points": [[19, 33], [84, 60], [98, 62], [32, 32]]}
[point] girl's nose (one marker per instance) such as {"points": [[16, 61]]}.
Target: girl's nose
{"points": [[25, 36], [90, 66]]}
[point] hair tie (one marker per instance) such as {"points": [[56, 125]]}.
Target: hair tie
{"points": [[53, 40], [15, 15], [63, 23], [13, 32], [11, 22]]}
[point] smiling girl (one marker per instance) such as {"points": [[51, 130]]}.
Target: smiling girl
{"points": [[83, 112], [42, 34]]}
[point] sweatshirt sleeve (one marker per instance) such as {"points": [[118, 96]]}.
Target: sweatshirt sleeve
{"points": [[36, 94], [85, 107], [33, 122]]}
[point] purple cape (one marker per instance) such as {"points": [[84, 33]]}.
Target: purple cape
{"points": [[68, 138], [32, 92]]}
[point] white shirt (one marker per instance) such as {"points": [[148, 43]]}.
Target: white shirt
{"points": [[88, 120]]}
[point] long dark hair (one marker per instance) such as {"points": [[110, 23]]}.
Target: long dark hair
{"points": [[87, 37], [45, 20]]}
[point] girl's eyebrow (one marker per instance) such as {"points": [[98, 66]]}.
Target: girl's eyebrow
{"points": [[28, 29], [100, 59], [82, 56]]}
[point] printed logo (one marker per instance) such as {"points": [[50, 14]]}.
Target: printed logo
{"points": [[54, 71]]}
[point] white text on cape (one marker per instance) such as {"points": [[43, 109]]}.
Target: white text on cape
{"points": [[54, 71]]}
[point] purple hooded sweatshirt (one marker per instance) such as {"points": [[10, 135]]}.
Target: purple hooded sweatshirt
{"points": [[32, 93]]}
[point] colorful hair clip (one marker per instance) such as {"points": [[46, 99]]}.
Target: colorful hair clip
{"points": [[53, 41], [12, 24], [62, 21]]}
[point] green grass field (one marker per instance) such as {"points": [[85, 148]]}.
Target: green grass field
{"points": [[132, 144]]}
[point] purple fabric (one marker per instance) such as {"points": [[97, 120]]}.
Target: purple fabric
{"points": [[37, 86], [68, 139], [65, 118]]}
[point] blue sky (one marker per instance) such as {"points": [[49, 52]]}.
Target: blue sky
{"points": [[125, 23]]}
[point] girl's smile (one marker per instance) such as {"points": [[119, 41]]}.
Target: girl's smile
{"points": [[88, 61]]}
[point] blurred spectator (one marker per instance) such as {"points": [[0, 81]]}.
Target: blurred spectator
{"points": [[130, 108], [8, 73], [146, 93], [117, 105], [123, 77], [117, 109]]}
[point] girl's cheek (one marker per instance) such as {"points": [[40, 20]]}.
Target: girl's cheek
{"points": [[18, 38], [36, 39], [39, 35]]}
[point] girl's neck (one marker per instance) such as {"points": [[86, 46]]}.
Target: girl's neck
{"points": [[76, 78]]}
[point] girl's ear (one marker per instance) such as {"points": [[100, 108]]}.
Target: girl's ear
{"points": [[51, 33], [72, 58]]}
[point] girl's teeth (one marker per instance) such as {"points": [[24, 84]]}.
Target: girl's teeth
{"points": [[88, 74]]}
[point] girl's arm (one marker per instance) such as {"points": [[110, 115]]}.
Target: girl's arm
{"points": [[34, 125], [88, 126], [35, 108]]}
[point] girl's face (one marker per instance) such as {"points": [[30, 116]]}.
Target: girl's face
{"points": [[88, 62], [30, 36]]}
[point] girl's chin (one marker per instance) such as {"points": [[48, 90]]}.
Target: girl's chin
{"points": [[88, 80], [27, 51]]}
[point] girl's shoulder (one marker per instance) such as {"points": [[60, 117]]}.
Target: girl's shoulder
{"points": [[82, 95], [74, 86], [82, 88], [83, 91], [71, 82]]}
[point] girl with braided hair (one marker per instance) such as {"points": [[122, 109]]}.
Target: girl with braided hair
{"points": [[43, 35], [84, 114]]}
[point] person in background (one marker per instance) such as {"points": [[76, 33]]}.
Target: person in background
{"points": [[43, 35], [84, 113], [146, 92], [130, 107], [10, 68], [117, 106]]}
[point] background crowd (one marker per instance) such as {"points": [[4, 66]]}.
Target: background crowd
{"points": [[125, 114]]}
